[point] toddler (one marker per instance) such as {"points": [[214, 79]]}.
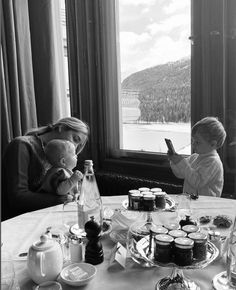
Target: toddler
{"points": [[60, 178], [203, 170]]}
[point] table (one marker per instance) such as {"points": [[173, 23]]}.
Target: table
{"points": [[20, 232]]}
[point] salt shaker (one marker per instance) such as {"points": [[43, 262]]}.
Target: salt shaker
{"points": [[76, 249]]}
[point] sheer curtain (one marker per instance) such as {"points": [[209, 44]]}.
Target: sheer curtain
{"points": [[33, 91]]}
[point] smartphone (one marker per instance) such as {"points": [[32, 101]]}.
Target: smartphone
{"points": [[170, 146]]}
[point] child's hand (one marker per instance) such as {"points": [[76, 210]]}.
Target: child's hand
{"points": [[78, 175], [175, 158]]}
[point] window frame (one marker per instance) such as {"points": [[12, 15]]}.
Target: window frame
{"points": [[94, 79]]}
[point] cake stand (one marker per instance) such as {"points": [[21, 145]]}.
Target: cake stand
{"points": [[140, 243]]}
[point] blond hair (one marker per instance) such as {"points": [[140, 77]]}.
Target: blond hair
{"points": [[211, 129]]}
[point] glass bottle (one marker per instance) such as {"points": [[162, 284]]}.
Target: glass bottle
{"points": [[90, 202]]}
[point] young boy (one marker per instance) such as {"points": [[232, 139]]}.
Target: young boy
{"points": [[60, 178], [203, 170]]}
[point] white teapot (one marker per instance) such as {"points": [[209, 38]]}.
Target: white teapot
{"points": [[44, 260]]}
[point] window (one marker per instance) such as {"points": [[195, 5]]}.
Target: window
{"points": [[155, 65], [95, 82]]}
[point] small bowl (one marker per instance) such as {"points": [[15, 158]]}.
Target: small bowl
{"points": [[49, 285], [89, 268]]}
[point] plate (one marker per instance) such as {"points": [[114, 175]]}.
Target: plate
{"points": [[170, 205], [86, 267], [78, 232]]}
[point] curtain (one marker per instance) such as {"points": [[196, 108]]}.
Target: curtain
{"points": [[33, 91]]}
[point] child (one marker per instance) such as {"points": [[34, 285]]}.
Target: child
{"points": [[203, 170], [60, 178]]}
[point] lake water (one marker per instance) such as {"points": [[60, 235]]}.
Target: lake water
{"points": [[150, 137]]}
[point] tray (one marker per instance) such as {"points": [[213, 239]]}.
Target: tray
{"points": [[170, 205]]}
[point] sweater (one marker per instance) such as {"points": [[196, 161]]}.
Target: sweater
{"points": [[202, 173]]}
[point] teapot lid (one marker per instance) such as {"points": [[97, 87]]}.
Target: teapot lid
{"points": [[44, 243]]}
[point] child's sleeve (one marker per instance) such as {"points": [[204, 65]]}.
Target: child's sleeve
{"points": [[178, 170], [200, 176], [61, 184]]}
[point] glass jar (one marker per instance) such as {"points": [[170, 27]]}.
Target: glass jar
{"points": [[183, 251], [190, 229], [142, 189], [148, 202], [131, 191], [177, 234], [172, 226], [163, 248], [160, 200], [157, 229], [136, 200], [200, 245]]}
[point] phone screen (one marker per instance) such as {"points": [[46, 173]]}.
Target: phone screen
{"points": [[170, 146]]}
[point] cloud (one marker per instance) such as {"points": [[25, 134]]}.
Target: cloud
{"points": [[137, 2], [176, 5], [170, 23], [137, 53]]}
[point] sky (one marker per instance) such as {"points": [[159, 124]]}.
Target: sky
{"points": [[152, 32]]}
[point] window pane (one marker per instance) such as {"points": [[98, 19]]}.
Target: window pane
{"points": [[155, 74]]}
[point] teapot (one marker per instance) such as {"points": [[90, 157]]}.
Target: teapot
{"points": [[44, 260]]}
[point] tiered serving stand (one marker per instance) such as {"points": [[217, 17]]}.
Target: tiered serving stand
{"points": [[140, 243]]}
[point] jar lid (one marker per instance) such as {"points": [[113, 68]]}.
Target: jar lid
{"points": [[157, 229], [44, 243], [198, 237], [149, 197], [134, 191], [144, 189], [177, 233], [136, 194], [190, 228], [172, 226], [156, 189], [159, 193], [184, 243], [163, 239]]}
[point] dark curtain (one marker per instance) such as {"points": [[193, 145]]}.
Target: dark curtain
{"points": [[33, 91]]}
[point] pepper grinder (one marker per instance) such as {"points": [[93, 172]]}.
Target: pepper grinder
{"points": [[93, 249]]}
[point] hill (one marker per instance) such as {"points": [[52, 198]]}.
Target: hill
{"points": [[164, 92]]}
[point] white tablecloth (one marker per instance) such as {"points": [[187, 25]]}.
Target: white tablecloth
{"points": [[20, 232]]}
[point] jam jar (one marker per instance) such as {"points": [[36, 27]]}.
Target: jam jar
{"points": [[157, 229], [200, 245], [131, 191], [156, 189], [183, 251], [136, 200], [142, 189], [160, 199], [163, 248], [190, 229], [177, 234], [148, 202], [172, 226]]}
